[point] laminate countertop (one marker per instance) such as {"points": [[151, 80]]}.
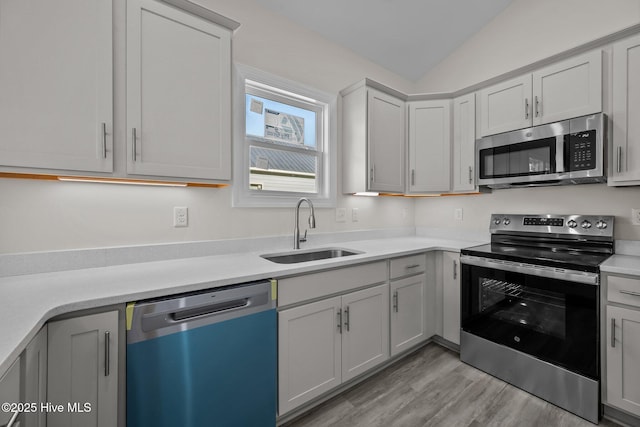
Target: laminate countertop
{"points": [[29, 301]]}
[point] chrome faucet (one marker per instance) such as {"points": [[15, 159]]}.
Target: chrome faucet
{"points": [[296, 230]]}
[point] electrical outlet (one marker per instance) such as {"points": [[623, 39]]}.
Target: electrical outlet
{"points": [[180, 216], [457, 214], [354, 214], [635, 216], [341, 214]]}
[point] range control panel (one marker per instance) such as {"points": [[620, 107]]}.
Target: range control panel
{"points": [[590, 225]]}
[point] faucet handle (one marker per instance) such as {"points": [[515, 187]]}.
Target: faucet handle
{"points": [[304, 238]]}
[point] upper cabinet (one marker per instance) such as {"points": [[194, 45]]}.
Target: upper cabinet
{"points": [[624, 164], [560, 91], [56, 85], [373, 141], [464, 138], [429, 143], [178, 94]]}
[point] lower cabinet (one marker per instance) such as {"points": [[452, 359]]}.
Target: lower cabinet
{"points": [[623, 358], [451, 297], [10, 391], [83, 370], [35, 378], [325, 343]]}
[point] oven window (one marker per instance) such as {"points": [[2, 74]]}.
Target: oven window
{"points": [[523, 306], [553, 320], [523, 159]]}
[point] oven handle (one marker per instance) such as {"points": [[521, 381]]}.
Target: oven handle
{"points": [[536, 270]]}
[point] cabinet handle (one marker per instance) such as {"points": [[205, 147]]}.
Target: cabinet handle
{"points": [[340, 320], [613, 333], [107, 337], [373, 173], [413, 266], [395, 301], [346, 318], [537, 106], [12, 421], [134, 137], [455, 269], [470, 175], [413, 177], [104, 140], [526, 108], [635, 294], [619, 168]]}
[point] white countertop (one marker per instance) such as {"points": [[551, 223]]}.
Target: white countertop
{"points": [[622, 264], [28, 301]]}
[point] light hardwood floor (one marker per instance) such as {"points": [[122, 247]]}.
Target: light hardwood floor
{"points": [[433, 388]]}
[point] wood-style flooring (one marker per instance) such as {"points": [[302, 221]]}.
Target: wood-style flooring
{"points": [[432, 387]]}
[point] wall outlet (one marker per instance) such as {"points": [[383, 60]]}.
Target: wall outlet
{"points": [[180, 216], [341, 214], [635, 216], [457, 214], [354, 214]]}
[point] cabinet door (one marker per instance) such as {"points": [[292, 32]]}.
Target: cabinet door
{"points": [[429, 146], [83, 368], [623, 359], [464, 139], [56, 84], [568, 89], [178, 94], [10, 390], [625, 164], [35, 387], [408, 301], [365, 328], [309, 352], [451, 296], [385, 136], [506, 106]]}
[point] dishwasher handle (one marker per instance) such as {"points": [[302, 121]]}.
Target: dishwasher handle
{"points": [[190, 313]]}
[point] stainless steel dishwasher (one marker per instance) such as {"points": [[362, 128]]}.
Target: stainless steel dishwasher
{"points": [[203, 359]]}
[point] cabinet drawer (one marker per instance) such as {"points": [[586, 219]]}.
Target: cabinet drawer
{"points": [[408, 265], [623, 290], [316, 285]]}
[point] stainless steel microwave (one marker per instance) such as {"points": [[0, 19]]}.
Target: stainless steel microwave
{"points": [[567, 152]]}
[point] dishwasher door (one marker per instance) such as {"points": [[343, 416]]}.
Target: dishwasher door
{"points": [[203, 359]]}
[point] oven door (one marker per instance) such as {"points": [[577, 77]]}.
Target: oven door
{"points": [[546, 315]]}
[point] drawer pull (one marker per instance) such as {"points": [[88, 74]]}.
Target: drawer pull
{"points": [[635, 294], [413, 266]]}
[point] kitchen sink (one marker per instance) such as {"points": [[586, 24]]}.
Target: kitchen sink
{"points": [[308, 255]]}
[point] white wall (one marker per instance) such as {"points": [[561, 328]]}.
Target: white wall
{"points": [[528, 31], [42, 215]]}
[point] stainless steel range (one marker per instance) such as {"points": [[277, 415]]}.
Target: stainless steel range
{"points": [[530, 306]]}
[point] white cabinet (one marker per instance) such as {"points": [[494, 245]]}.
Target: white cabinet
{"points": [[56, 85], [451, 296], [567, 89], [322, 344], [622, 342], [10, 390], [35, 378], [623, 359], [464, 139], [83, 368], [178, 94], [624, 165], [408, 313], [429, 153], [373, 141]]}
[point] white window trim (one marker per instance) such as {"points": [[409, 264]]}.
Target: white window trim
{"points": [[242, 196]]}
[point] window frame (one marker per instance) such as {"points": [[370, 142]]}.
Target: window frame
{"points": [[262, 83]]}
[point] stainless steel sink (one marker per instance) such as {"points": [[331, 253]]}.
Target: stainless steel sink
{"points": [[308, 255]]}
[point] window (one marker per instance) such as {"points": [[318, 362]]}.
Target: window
{"points": [[283, 147]]}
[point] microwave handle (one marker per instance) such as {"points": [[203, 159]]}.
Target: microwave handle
{"points": [[560, 160]]}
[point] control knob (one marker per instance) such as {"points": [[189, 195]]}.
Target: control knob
{"points": [[496, 221], [506, 221], [572, 223], [585, 224], [601, 225]]}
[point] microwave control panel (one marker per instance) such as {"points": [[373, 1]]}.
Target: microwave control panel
{"points": [[580, 150]]}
